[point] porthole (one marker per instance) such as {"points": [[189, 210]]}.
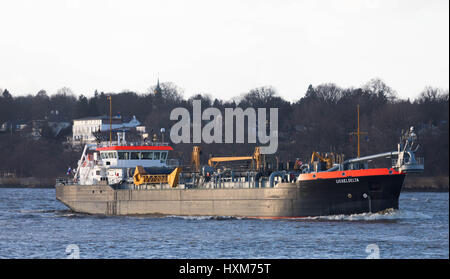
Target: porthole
{"points": [[349, 196], [343, 174]]}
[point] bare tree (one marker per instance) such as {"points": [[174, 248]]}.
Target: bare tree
{"points": [[381, 89]]}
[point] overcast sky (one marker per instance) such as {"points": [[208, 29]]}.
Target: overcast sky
{"points": [[223, 48]]}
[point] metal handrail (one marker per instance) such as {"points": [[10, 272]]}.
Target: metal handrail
{"points": [[107, 144], [418, 161]]}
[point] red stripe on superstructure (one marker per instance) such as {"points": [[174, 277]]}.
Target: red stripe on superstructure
{"points": [[109, 148], [347, 173]]}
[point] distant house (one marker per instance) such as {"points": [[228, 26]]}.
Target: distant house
{"points": [[36, 128], [13, 126], [57, 127], [83, 128], [54, 121]]}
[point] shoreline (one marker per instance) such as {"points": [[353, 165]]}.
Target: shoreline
{"points": [[415, 183], [412, 183]]}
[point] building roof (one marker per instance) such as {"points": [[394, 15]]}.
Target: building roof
{"points": [[102, 117]]}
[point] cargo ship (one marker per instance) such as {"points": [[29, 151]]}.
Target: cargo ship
{"points": [[127, 178]]}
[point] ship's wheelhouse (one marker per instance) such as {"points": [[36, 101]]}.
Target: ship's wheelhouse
{"points": [[131, 156], [134, 155]]}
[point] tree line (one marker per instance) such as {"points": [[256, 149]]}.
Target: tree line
{"points": [[321, 119]]}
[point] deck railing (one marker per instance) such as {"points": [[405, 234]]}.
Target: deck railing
{"points": [[128, 143], [420, 161]]}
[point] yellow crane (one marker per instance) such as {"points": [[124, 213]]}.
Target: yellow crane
{"points": [[214, 161], [329, 158], [195, 158]]}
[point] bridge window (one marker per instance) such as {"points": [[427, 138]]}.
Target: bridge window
{"points": [[156, 156], [163, 155], [147, 155], [124, 156], [106, 155], [134, 155]]}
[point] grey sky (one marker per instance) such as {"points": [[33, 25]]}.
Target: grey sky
{"points": [[223, 48]]}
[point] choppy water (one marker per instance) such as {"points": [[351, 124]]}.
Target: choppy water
{"points": [[34, 225]]}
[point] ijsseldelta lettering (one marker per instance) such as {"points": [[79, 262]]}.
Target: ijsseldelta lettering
{"points": [[347, 180], [212, 131]]}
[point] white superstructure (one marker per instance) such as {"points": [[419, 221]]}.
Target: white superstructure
{"points": [[115, 163]]}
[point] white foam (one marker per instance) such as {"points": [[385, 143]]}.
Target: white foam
{"points": [[206, 217], [388, 214]]}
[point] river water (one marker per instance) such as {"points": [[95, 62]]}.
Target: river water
{"points": [[33, 224]]}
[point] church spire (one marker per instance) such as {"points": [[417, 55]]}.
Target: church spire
{"points": [[158, 90]]}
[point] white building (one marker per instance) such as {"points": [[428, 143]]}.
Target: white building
{"points": [[84, 127]]}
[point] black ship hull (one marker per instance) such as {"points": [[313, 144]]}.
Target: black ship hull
{"points": [[354, 195]]}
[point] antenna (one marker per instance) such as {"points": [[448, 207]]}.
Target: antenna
{"points": [[162, 134]]}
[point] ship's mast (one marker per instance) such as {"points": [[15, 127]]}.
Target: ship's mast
{"points": [[110, 120], [358, 133]]}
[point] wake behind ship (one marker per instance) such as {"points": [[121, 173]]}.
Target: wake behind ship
{"points": [[137, 179]]}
